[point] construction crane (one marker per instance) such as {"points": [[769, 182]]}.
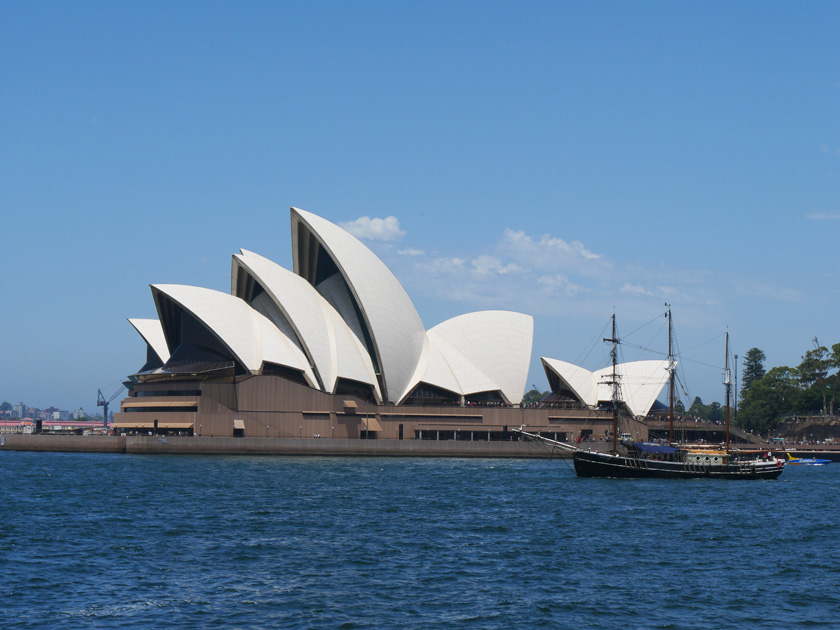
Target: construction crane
{"points": [[101, 402]]}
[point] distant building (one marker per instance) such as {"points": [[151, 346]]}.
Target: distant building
{"points": [[15, 426]]}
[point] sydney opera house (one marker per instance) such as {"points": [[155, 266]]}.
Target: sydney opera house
{"points": [[336, 348]]}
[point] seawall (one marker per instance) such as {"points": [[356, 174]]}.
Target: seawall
{"points": [[313, 447], [63, 443], [272, 446]]}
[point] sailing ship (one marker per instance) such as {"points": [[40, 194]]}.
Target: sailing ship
{"points": [[665, 461]]}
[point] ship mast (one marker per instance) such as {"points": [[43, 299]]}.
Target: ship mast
{"points": [[728, 384], [671, 377], [614, 358]]}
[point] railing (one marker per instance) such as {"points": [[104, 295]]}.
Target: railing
{"points": [[539, 438]]}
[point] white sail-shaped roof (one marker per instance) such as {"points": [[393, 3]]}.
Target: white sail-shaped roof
{"points": [[640, 382], [247, 334], [497, 343], [434, 369], [322, 334], [444, 366], [395, 333], [575, 378], [152, 333], [470, 378], [341, 319]]}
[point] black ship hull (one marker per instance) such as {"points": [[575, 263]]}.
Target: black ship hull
{"points": [[594, 464]]}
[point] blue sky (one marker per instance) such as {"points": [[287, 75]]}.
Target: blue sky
{"points": [[560, 159]]}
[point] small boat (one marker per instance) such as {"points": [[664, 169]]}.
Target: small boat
{"points": [[806, 461], [631, 459]]}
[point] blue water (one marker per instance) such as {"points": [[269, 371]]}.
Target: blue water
{"points": [[121, 541]]}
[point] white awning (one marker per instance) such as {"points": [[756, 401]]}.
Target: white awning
{"points": [[371, 424], [175, 425]]}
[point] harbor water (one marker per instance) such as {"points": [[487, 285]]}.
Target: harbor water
{"points": [[131, 541]]}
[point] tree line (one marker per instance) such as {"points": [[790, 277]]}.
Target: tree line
{"points": [[769, 397]]}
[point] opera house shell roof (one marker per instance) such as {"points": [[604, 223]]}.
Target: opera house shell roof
{"points": [[340, 322], [639, 383]]}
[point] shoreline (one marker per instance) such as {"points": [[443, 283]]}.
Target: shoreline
{"points": [[337, 447], [185, 445]]}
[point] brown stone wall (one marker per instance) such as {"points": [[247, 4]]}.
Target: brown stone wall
{"points": [[273, 407]]}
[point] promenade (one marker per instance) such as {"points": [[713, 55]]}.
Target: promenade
{"points": [[271, 446]]}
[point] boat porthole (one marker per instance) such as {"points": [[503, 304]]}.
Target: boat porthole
{"points": [[707, 458], [716, 459]]}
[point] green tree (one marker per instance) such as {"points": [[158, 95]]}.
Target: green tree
{"points": [[6, 405], [753, 367], [534, 396], [834, 363], [770, 399], [715, 412], [712, 412], [813, 371], [697, 408]]}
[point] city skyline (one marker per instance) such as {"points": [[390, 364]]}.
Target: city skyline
{"points": [[28, 412]]}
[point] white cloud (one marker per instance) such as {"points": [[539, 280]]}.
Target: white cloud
{"points": [[635, 289], [518, 271], [673, 293], [519, 241], [447, 265], [823, 216], [548, 254], [485, 265], [546, 274], [761, 289], [559, 284], [387, 229]]}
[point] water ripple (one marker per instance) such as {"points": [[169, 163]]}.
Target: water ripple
{"points": [[247, 542]]}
